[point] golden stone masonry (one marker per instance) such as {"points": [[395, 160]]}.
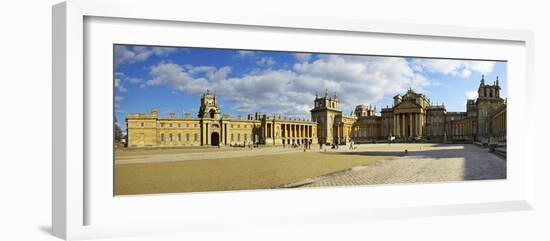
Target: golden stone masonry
{"points": [[411, 118]]}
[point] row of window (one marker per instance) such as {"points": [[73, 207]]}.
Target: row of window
{"points": [[196, 137], [171, 125], [239, 126], [232, 138], [171, 137], [186, 125]]}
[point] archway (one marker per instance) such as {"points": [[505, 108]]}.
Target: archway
{"points": [[212, 113], [215, 139]]}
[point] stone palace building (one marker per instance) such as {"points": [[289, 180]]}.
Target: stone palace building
{"points": [[411, 118]]}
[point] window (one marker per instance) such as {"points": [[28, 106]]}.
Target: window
{"points": [[161, 137], [239, 126], [170, 137], [196, 125], [179, 125], [187, 125], [179, 136], [245, 136], [239, 137], [161, 124], [170, 125], [187, 137], [245, 126], [231, 125], [196, 137], [232, 137], [141, 124]]}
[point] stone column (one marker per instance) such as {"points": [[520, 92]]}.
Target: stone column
{"points": [[420, 124], [288, 131], [417, 124], [411, 125], [342, 138], [397, 125], [405, 134], [394, 120], [400, 126], [265, 133], [394, 125], [403, 124]]}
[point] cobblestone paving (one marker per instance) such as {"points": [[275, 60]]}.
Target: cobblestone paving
{"points": [[430, 164]]}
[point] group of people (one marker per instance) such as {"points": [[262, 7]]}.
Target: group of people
{"points": [[337, 146], [306, 144]]}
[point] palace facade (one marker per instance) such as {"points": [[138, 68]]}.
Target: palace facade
{"points": [[212, 128], [412, 117]]}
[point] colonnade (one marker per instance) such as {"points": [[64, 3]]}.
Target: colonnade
{"points": [[407, 124], [296, 132]]}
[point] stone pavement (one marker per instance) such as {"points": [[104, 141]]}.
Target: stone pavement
{"points": [[430, 164], [205, 155]]}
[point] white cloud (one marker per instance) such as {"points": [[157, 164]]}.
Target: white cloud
{"points": [[265, 62], [119, 86], [133, 54], [245, 53], [462, 68], [302, 57], [364, 80], [118, 99], [122, 79], [472, 94], [483, 67], [176, 77]]}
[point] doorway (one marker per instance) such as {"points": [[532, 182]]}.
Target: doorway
{"points": [[215, 139]]}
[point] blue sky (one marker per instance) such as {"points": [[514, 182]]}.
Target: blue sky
{"points": [[172, 79]]}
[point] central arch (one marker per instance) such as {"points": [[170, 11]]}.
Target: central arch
{"points": [[215, 139]]}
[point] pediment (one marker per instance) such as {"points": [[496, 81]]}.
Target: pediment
{"points": [[407, 105]]}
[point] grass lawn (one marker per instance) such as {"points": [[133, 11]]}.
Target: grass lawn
{"points": [[240, 173]]}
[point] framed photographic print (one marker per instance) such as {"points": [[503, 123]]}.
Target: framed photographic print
{"points": [[183, 121]]}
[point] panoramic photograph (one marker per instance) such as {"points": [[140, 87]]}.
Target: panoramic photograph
{"points": [[190, 119]]}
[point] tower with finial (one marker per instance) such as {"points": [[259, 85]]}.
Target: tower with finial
{"points": [[209, 106], [488, 91], [487, 102], [325, 111]]}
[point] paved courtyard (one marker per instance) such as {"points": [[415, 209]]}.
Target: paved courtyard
{"points": [[422, 163], [212, 169]]}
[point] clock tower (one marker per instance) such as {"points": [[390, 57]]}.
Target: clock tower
{"points": [[209, 107]]}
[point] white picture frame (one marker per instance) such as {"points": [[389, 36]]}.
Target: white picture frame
{"points": [[72, 189]]}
